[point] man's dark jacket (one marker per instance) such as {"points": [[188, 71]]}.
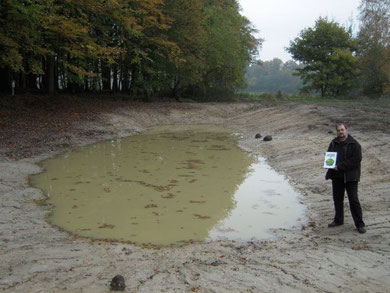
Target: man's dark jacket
{"points": [[349, 156]]}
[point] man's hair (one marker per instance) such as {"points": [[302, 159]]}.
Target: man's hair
{"points": [[341, 124]]}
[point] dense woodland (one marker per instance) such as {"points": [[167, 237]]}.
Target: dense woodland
{"points": [[179, 48], [139, 47]]}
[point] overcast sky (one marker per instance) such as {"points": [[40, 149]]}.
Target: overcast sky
{"points": [[280, 21]]}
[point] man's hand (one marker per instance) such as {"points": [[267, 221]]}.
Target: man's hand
{"points": [[335, 168]]}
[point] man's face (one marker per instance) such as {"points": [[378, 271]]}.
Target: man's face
{"points": [[342, 133]]}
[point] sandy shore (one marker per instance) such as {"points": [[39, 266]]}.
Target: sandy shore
{"points": [[36, 257]]}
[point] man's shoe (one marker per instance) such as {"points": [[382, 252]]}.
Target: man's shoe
{"points": [[362, 230], [334, 224]]}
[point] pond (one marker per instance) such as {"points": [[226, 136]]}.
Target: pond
{"points": [[167, 187]]}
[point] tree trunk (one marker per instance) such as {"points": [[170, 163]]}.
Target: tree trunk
{"points": [[175, 88], [106, 77], [115, 80], [31, 81], [86, 84], [133, 84], [50, 78], [126, 77], [5, 82]]}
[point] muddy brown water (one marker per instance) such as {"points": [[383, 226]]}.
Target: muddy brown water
{"points": [[167, 187]]}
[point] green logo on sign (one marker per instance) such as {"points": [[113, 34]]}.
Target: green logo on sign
{"points": [[329, 162]]}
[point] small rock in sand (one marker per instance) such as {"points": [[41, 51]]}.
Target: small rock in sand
{"points": [[118, 283]]}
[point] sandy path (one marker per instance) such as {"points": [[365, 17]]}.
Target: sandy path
{"points": [[36, 257]]}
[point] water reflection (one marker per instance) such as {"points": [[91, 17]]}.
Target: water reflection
{"points": [[264, 201], [151, 188], [165, 188]]}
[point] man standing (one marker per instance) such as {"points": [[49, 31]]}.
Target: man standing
{"points": [[345, 176]]}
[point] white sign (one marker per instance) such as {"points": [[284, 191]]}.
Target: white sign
{"points": [[330, 160]]}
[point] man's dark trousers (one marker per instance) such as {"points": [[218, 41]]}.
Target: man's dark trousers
{"points": [[339, 187]]}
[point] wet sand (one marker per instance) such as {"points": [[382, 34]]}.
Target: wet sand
{"points": [[36, 257]]}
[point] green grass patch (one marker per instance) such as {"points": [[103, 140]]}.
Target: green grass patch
{"points": [[281, 98]]}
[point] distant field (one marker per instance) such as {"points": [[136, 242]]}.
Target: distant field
{"points": [[277, 99]]}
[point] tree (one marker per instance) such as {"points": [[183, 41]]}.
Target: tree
{"points": [[150, 48], [188, 32], [273, 76], [374, 47], [141, 47], [327, 55], [21, 49], [229, 49]]}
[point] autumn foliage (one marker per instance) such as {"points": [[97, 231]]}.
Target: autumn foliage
{"points": [[139, 47]]}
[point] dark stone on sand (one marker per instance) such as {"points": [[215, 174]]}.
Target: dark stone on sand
{"points": [[258, 135], [118, 283], [217, 263], [267, 138]]}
